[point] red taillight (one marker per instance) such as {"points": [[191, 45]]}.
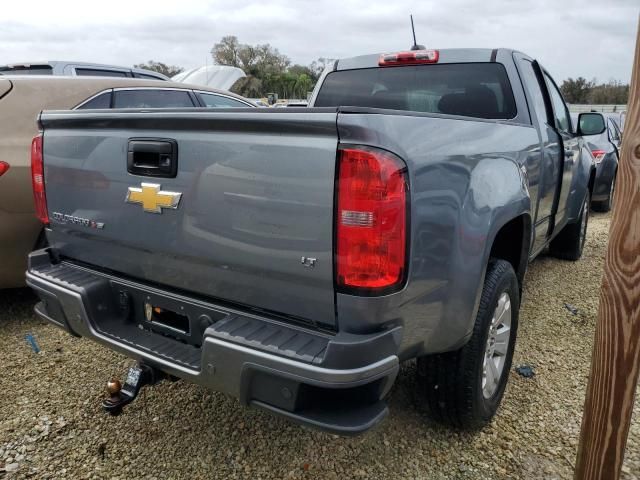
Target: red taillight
{"points": [[37, 179], [598, 155], [371, 219], [414, 57], [4, 166]]}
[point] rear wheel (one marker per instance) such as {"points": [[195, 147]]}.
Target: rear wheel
{"points": [[569, 243], [464, 388], [607, 205]]}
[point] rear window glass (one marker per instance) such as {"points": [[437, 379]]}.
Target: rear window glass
{"points": [[152, 99], [94, 72], [101, 101], [218, 101], [469, 89], [148, 77], [32, 70]]}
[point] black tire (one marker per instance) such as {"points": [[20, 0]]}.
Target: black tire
{"points": [[569, 243], [452, 382], [607, 205]]}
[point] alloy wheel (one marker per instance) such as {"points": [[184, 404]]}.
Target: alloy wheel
{"points": [[497, 346]]}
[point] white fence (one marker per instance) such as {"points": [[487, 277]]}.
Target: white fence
{"points": [[575, 108]]}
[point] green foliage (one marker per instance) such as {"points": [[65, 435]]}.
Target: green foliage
{"points": [[608, 93], [168, 70], [575, 91], [227, 52], [582, 91], [267, 70]]}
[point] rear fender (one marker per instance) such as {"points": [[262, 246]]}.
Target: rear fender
{"points": [[497, 194]]}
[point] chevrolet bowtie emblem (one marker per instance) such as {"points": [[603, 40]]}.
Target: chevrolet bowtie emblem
{"points": [[152, 198]]}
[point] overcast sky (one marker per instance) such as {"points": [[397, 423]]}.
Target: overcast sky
{"points": [[571, 38]]}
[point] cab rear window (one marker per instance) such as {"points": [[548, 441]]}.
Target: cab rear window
{"points": [[470, 89]]}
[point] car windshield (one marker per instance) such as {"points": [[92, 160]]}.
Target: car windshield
{"points": [[469, 89]]}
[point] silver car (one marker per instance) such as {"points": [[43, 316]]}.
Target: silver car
{"points": [[605, 149], [80, 69]]}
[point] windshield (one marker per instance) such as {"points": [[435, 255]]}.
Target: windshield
{"points": [[469, 89]]}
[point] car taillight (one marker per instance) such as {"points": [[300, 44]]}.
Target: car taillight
{"points": [[598, 155], [413, 57], [4, 166], [371, 219], [37, 179]]}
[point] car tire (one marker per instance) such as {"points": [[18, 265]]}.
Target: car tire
{"points": [[569, 243], [607, 205], [461, 388]]}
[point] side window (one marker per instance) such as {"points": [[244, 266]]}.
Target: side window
{"points": [[614, 135], [561, 114], [149, 98], [218, 101], [31, 70], [101, 101], [148, 77], [95, 72], [535, 90]]}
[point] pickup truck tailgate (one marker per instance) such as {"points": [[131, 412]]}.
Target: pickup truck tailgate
{"points": [[257, 195]]}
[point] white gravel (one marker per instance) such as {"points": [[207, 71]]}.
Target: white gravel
{"points": [[52, 426]]}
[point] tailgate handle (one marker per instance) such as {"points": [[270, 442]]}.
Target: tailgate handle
{"points": [[152, 157]]}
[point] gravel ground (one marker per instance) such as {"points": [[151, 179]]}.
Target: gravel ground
{"points": [[52, 426]]}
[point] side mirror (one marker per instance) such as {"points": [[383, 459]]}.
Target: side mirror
{"points": [[591, 124]]}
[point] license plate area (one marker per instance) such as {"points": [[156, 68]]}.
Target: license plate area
{"points": [[164, 313], [163, 317]]}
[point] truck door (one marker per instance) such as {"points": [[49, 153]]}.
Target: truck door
{"points": [[543, 172], [567, 148]]}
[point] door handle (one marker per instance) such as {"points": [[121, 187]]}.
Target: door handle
{"points": [[152, 157]]}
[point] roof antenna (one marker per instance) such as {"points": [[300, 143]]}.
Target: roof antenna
{"points": [[415, 44]]}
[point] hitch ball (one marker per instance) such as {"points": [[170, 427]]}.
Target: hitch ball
{"points": [[114, 386]]}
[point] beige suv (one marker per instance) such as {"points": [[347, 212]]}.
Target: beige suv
{"points": [[22, 98]]}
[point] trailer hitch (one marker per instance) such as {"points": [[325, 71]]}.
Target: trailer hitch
{"points": [[137, 377]]}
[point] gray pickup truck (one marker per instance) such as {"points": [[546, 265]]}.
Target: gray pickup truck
{"points": [[294, 258]]}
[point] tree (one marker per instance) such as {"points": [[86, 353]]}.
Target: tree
{"points": [[248, 57], [270, 60], [266, 68], [303, 85], [255, 60], [575, 91], [609, 93], [318, 66], [163, 68], [301, 70], [582, 91], [227, 51]]}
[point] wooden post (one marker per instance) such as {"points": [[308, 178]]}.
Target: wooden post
{"points": [[616, 351]]}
